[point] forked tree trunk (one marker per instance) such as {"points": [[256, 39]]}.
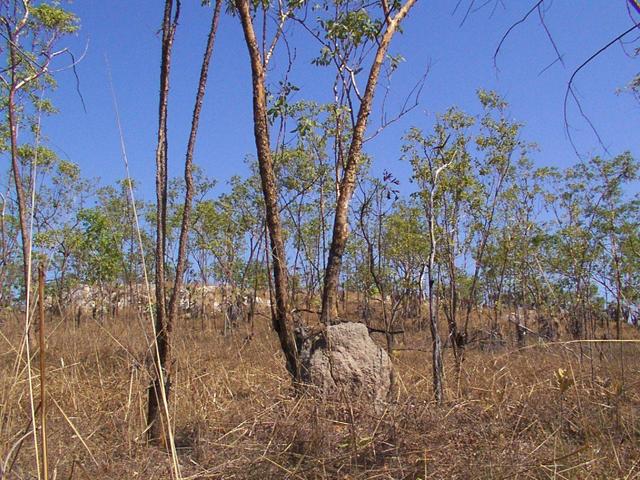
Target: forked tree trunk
{"points": [[165, 319], [282, 316]]}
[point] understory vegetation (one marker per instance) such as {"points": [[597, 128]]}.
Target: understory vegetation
{"points": [[545, 410]]}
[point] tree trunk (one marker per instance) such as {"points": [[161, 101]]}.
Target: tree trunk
{"points": [[20, 193], [436, 344], [159, 388], [164, 341], [188, 164], [349, 176], [282, 320]]}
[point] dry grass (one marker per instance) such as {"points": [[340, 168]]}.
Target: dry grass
{"points": [[236, 415]]}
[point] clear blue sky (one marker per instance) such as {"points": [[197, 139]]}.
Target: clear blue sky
{"points": [[459, 59]]}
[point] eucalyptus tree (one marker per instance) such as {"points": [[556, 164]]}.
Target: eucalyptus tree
{"points": [[455, 196], [406, 252], [430, 158], [573, 245], [347, 35], [227, 234], [629, 251], [615, 213], [299, 175], [593, 215], [498, 148], [115, 201], [33, 33], [306, 189], [375, 206], [357, 278], [462, 170], [391, 233], [58, 226], [512, 260], [101, 262], [347, 32], [200, 189]]}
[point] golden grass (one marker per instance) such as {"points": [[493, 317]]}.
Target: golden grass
{"points": [[236, 415]]}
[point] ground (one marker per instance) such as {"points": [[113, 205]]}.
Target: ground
{"points": [[510, 413]]}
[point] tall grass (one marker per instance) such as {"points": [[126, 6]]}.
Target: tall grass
{"points": [[236, 415]]}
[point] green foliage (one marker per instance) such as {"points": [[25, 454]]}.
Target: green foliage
{"points": [[53, 18], [221, 227], [405, 242], [98, 245], [43, 156], [354, 26]]}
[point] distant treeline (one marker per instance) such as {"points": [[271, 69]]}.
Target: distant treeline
{"points": [[504, 232]]}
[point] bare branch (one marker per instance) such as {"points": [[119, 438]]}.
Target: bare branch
{"points": [[549, 36], [279, 31], [570, 91], [415, 92], [511, 28]]}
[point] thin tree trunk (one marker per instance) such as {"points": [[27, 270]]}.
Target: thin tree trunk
{"points": [[17, 178], [436, 343], [454, 335], [14, 45], [188, 164], [162, 358], [282, 320], [3, 246]]}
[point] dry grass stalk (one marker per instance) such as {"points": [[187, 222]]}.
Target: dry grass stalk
{"points": [[43, 388], [153, 344]]}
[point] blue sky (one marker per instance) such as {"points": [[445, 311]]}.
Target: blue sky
{"points": [[459, 59]]}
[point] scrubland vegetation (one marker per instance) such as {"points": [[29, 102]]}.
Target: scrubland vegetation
{"points": [[544, 410], [170, 339]]}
